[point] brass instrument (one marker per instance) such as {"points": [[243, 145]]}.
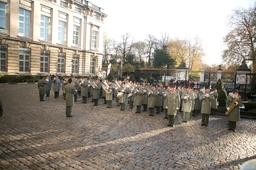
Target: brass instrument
{"points": [[206, 95], [136, 90], [131, 91], [232, 106], [105, 87], [94, 85], [150, 92]]}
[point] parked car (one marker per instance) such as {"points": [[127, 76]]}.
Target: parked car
{"points": [[230, 87]]}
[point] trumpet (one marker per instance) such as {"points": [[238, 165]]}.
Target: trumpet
{"points": [[206, 95], [150, 92]]}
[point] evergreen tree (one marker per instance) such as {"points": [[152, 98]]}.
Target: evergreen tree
{"points": [[110, 77], [222, 94], [132, 78]]}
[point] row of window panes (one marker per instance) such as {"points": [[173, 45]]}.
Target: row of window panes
{"points": [[24, 61], [2, 16], [45, 27]]}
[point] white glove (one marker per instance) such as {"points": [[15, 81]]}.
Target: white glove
{"points": [[227, 108]]}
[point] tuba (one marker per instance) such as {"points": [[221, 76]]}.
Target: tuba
{"points": [[232, 106], [94, 85], [105, 86]]}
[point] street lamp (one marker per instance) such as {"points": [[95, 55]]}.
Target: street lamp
{"points": [[165, 74]]}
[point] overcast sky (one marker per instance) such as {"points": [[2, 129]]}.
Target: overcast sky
{"points": [[183, 19]]}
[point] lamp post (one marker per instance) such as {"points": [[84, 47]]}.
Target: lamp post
{"points": [[165, 74]]}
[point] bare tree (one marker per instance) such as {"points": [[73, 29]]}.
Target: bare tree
{"points": [[107, 48], [163, 41], [140, 48], [151, 41], [241, 39]]}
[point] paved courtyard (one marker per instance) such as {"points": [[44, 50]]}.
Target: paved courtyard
{"points": [[37, 135]]}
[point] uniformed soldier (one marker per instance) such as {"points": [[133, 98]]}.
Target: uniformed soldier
{"points": [[159, 99], [215, 103], [138, 92], [109, 94], [233, 102], [64, 82], [197, 103], [56, 86], [206, 99], [84, 89], [166, 91], [76, 85], [122, 98], [41, 87], [48, 85], [152, 94], [187, 102], [173, 103], [130, 96], [145, 97], [96, 91], [70, 91]]}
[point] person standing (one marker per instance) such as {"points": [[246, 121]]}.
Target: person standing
{"points": [[152, 94], [84, 90], [215, 103], [138, 92], [233, 111], [76, 84], [56, 86], [41, 87], [109, 94], [159, 99], [122, 98], [130, 96], [70, 91], [173, 104], [187, 102], [197, 105], [96, 91], [145, 97], [48, 85], [166, 91], [206, 99], [64, 83]]}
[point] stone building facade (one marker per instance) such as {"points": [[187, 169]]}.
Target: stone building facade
{"points": [[40, 37]]}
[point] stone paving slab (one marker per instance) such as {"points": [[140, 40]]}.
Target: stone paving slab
{"points": [[37, 135]]}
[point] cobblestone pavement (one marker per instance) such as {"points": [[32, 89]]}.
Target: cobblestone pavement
{"points": [[37, 135]]}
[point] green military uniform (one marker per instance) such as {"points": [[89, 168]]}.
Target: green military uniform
{"points": [[70, 91], [152, 94], [159, 99], [109, 96], [166, 91], [206, 99], [130, 96], [215, 104], [145, 99], [138, 92], [173, 104], [84, 90], [41, 86], [234, 115], [95, 93], [187, 102]]}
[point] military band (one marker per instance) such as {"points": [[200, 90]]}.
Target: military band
{"points": [[170, 100]]}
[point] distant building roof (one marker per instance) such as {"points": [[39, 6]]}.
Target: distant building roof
{"points": [[182, 65]]}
